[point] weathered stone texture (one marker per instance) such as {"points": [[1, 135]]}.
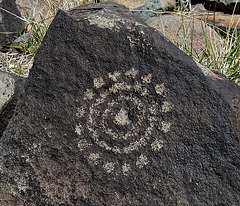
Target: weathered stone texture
{"points": [[115, 114], [11, 87]]}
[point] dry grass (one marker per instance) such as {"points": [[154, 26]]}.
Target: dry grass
{"points": [[16, 63], [223, 57], [20, 63]]}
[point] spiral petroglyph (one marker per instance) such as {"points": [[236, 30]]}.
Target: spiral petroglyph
{"points": [[121, 118]]}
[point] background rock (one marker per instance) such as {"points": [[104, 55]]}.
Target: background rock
{"points": [[172, 27], [151, 7], [131, 3], [226, 6], [11, 86], [10, 25], [130, 121], [37, 9], [7, 88], [222, 21]]}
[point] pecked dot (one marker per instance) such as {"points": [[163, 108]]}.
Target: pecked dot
{"points": [[93, 158], [114, 76], [98, 82], [126, 169], [157, 145], [166, 126], [160, 89], [109, 167], [147, 78], [141, 161], [131, 73]]}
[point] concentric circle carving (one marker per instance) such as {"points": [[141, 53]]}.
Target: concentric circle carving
{"points": [[122, 118]]}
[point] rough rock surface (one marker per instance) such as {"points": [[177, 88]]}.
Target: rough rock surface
{"points": [[11, 86], [228, 90], [131, 120], [172, 27], [10, 25]]}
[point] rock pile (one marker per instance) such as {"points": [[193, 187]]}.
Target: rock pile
{"points": [[115, 114]]}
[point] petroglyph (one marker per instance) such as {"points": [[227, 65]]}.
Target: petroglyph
{"points": [[126, 168], [79, 129], [113, 24], [142, 161], [109, 167], [83, 144], [89, 93], [132, 73], [80, 112], [166, 126], [147, 78], [160, 88], [122, 118], [98, 82], [166, 107], [93, 158], [114, 76], [157, 145]]}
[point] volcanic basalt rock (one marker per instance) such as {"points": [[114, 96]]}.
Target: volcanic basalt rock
{"points": [[115, 114]]}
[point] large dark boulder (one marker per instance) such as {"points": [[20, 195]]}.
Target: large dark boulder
{"points": [[115, 114], [11, 87], [11, 24]]}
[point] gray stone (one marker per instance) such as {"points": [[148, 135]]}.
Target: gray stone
{"points": [[193, 39], [11, 87], [151, 8], [10, 24], [115, 114]]}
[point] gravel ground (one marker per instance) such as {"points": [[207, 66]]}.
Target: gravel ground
{"points": [[16, 63]]}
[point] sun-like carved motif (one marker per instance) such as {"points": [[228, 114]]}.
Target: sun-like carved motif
{"points": [[122, 118]]}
